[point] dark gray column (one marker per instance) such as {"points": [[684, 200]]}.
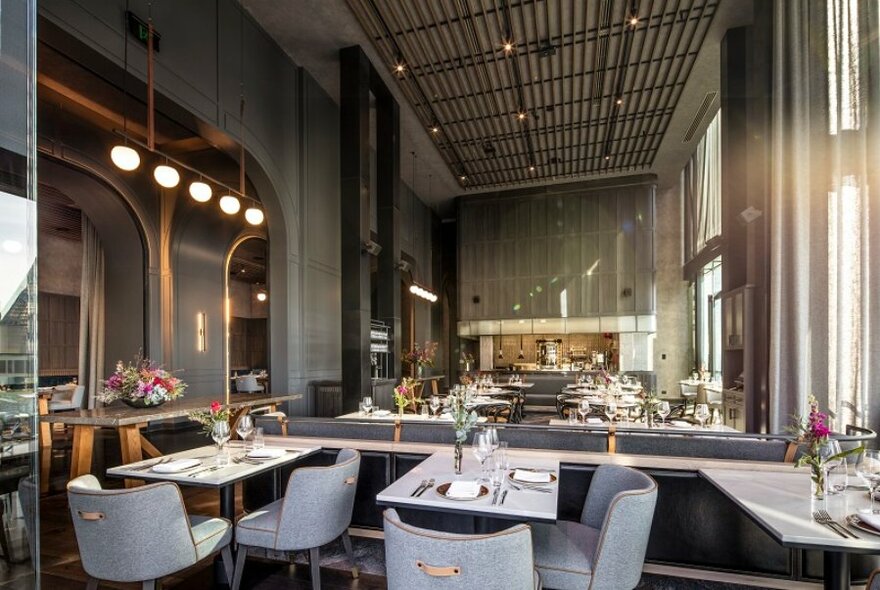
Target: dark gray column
{"points": [[388, 209], [354, 135]]}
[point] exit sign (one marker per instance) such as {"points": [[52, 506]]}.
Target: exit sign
{"points": [[140, 30]]}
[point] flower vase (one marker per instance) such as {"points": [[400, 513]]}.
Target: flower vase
{"points": [[458, 455], [420, 371], [817, 483]]}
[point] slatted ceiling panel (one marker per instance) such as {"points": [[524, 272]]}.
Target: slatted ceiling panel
{"points": [[572, 60]]}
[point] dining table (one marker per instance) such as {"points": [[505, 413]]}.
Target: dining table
{"points": [[621, 426], [781, 504], [128, 422], [512, 502], [207, 472]]}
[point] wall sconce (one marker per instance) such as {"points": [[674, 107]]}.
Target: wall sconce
{"points": [[201, 336], [425, 294]]}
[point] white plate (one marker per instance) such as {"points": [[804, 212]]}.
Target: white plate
{"points": [[176, 466], [266, 453], [381, 413]]}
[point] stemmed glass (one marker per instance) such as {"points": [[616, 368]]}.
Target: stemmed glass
{"points": [[663, 411], [584, 409], [827, 454], [220, 433], [701, 413], [611, 409], [435, 405], [367, 405], [482, 449], [492, 432], [244, 428], [868, 468]]}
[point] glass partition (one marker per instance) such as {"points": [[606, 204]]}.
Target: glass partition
{"points": [[19, 425]]}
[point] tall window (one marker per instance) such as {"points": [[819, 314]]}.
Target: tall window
{"points": [[701, 192], [707, 326]]}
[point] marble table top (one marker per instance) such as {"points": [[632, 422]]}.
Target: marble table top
{"points": [[119, 414], [781, 504], [229, 474], [441, 419], [520, 505], [670, 426]]}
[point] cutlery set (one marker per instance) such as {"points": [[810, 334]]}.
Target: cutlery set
{"points": [[426, 485], [823, 518], [152, 464]]}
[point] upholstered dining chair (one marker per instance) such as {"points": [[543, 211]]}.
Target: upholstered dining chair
{"points": [[315, 510], [141, 534], [606, 549], [426, 559], [67, 399], [247, 384], [873, 581]]}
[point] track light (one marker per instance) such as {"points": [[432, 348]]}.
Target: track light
{"points": [[125, 158], [200, 191], [254, 216], [230, 205], [166, 176]]}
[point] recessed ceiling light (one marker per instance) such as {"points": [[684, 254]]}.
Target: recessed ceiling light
{"points": [[400, 68], [607, 157], [633, 21], [619, 100], [522, 115], [508, 46], [462, 178], [532, 168], [435, 128]]}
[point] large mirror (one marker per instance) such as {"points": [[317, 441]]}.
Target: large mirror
{"points": [[248, 316]]}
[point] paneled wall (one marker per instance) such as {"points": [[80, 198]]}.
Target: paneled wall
{"points": [[557, 253]]}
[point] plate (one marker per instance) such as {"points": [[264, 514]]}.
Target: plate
{"points": [[531, 483], [381, 413], [444, 487], [171, 468], [854, 521]]}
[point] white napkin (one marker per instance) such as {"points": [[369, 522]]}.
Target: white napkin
{"points": [[381, 413], [463, 489], [680, 423], [594, 420], [176, 465], [872, 520], [531, 476], [266, 453]]}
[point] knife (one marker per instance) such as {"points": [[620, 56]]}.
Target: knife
{"points": [[503, 497], [419, 489], [495, 496]]}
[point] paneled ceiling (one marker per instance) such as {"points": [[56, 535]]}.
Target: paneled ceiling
{"points": [[584, 88]]}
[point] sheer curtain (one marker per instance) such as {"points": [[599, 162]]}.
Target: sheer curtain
{"points": [[91, 314], [824, 258], [701, 190]]}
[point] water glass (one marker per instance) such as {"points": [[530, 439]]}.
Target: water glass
{"points": [[503, 457], [259, 439], [830, 462], [868, 468], [423, 411], [572, 416], [701, 413]]}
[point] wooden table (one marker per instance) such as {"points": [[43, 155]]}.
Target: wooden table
{"points": [[519, 505], [780, 503], [223, 479], [128, 423]]}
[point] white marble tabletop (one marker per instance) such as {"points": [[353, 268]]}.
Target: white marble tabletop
{"points": [[229, 474], [670, 426], [519, 505], [441, 419], [780, 502]]}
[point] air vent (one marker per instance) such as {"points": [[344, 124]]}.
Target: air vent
{"points": [[488, 149], [699, 116], [547, 49], [601, 65]]}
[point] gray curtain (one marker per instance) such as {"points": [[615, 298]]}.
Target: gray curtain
{"points": [[701, 191], [91, 314], [824, 244]]}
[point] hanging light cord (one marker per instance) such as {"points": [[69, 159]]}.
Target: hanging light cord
{"points": [[125, 72], [241, 171]]}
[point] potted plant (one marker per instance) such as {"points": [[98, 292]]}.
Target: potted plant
{"points": [[141, 384], [420, 357]]}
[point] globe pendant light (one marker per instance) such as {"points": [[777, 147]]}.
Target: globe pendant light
{"points": [[229, 204], [261, 296], [125, 158], [200, 191], [254, 216], [166, 176]]}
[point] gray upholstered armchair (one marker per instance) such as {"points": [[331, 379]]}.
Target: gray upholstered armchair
{"points": [[606, 549], [316, 509], [141, 534], [425, 559]]}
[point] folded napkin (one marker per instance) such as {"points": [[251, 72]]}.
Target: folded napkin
{"points": [[176, 465], [463, 489], [594, 420], [531, 476], [266, 453], [381, 413], [872, 520], [681, 423]]}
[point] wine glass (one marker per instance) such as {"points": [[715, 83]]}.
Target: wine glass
{"points": [[492, 432], [435, 405], [828, 456], [868, 468], [482, 448], [701, 413], [663, 411], [368, 405], [220, 433], [244, 428], [584, 409], [611, 409]]}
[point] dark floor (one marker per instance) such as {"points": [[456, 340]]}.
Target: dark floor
{"points": [[62, 570]]}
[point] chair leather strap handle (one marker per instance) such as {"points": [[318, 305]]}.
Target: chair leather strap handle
{"points": [[90, 515], [439, 571], [350, 481]]}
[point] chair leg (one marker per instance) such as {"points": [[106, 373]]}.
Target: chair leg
{"points": [[346, 542], [92, 584], [150, 585], [228, 563], [240, 557], [315, 562]]}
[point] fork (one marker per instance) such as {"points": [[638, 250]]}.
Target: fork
{"points": [[822, 517], [153, 464], [418, 489]]}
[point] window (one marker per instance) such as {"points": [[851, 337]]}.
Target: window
{"points": [[707, 325]]}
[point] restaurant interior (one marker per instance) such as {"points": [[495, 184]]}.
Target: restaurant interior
{"points": [[443, 294]]}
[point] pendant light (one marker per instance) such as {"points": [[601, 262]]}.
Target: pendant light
{"points": [[230, 204], [122, 156], [501, 342], [166, 176], [254, 216], [200, 191], [520, 356]]}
